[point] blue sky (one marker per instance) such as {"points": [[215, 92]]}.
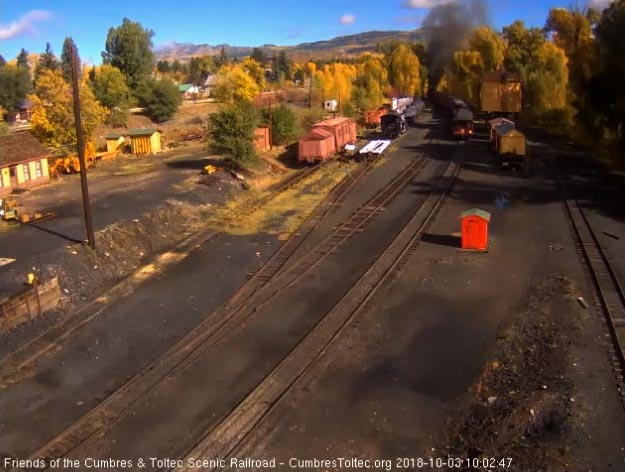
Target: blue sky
{"points": [[30, 23]]}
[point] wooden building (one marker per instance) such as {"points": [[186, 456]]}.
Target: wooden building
{"points": [[23, 162], [114, 142], [144, 141]]}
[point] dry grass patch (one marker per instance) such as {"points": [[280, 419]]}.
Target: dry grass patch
{"points": [[284, 212]]}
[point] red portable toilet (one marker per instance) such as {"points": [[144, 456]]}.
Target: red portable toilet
{"points": [[474, 228]]}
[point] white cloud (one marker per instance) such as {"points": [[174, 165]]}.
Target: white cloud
{"points": [[347, 19], [425, 3], [26, 24]]}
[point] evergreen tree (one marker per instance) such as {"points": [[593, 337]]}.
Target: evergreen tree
{"points": [[66, 59], [129, 48], [22, 59], [47, 61]]}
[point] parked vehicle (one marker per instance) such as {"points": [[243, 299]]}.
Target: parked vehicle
{"points": [[393, 125]]}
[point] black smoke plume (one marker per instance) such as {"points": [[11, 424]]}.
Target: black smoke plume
{"points": [[447, 28]]}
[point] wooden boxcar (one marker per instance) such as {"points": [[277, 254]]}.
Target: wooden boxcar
{"points": [[315, 146], [326, 139], [500, 93], [511, 148]]}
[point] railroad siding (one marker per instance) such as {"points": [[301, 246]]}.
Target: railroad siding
{"points": [[422, 342]]}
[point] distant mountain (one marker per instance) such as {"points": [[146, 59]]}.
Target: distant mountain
{"points": [[336, 47]]}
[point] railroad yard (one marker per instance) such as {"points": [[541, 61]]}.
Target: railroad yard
{"points": [[362, 333]]}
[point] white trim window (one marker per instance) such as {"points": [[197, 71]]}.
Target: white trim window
{"points": [[26, 171], [38, 171]]}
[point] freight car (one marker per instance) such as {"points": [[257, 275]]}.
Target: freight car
{"points": [[500, 94], [372, 117], [399, 104], [393, 125], [511, 147], [326, 139]]}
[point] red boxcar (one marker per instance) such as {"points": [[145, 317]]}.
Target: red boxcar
{"points": [[316, 145], [326, 138]]}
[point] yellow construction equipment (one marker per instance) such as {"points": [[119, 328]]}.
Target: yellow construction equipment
{"points": [[8, 209], [71, 164], [209, 169]]}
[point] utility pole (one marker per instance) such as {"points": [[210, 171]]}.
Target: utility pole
{"points": [[310, 92], [81, 150], [270, 121], [340, 107]]}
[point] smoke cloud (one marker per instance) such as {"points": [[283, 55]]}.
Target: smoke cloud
{"points": [[447, 28]]}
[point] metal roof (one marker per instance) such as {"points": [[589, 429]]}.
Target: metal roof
{"points": [[113, 136], [142, 132], [476, 212]]}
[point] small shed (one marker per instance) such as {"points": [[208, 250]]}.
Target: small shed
{"points": [[474, 229], [330, 105], [145, 141], [511, 142], [114, 141], [316, 145], [24, 111], [261, 139]]}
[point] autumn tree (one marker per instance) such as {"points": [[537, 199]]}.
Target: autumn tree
{"points": [[572, 31], [52, 118], [66, 58], [231, 131], [404, 70], [255, 70], [543, 68], [490, 47], [235, 84], [110, 88], [160, 98], [129, 48], [371, 82]]}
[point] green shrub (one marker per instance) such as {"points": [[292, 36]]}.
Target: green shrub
{"points": [[284, 125], [231, 132], [160, 98]]}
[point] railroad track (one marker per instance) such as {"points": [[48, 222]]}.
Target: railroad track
{"points": [[232, 431], [608, 288], [263, 287], [24, 357]]}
